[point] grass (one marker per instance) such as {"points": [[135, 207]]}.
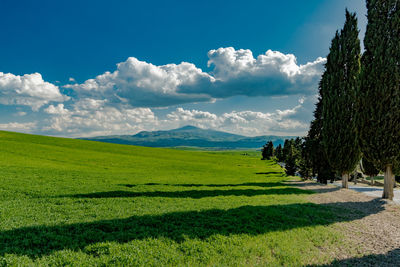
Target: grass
{"points": [[376, 178], [82, 203]]}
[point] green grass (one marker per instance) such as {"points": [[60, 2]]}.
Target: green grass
{"points": [[81, 203], [376, 178]]}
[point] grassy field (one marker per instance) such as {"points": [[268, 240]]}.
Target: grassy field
{"points": [[73, 202]]}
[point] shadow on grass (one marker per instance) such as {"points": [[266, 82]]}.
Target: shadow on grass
{"points": [[325, 189], [193, 193], [392, 258], [209, 185], [267, 173], [177, 226]]}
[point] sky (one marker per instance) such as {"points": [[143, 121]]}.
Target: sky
{"points": [[88, 68]]}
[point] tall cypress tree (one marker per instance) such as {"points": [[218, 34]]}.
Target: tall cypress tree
{"points": [[305, 162], [268, 150], [319, 162], [285, 149], [379, 94], [279, 153], [291, 159], [338, 104]]}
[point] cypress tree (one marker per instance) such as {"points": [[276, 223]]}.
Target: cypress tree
{"points": [[268, 150], [369, 169], [379, 95], [290, 161], [298, 142], [339, 88], [285, 149], [264, 152], [279, 153], [305, 162], [319, 162]]}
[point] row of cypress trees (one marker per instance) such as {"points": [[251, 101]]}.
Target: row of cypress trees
{"points": [[358, 110], [290, 154], [280, 153]]}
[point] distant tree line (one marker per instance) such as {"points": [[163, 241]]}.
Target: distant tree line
{"points": [[357, 116]]}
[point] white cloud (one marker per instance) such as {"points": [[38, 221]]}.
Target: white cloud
{"points": [[89, 117], [28, 90], [248, 122], [21, 113], [59, 109], [18, 127], [182, 115], [235, 72], [142, 84], [70, 79], [119, 102]]}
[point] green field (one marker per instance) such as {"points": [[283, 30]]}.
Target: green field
{"points": [[74, 202]]}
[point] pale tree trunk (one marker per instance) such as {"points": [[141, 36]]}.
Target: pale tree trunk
{"points": [[345, 180], [372, 180], [388, 183]]}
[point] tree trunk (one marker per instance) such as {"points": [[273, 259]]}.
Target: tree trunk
{"points": [[355, 178], [345, 180], [372, 180], [388, 183]]}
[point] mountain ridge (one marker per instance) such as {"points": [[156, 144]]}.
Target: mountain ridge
{"points": [[191, 136]]}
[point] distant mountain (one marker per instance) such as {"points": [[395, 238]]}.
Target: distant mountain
{"points": [[191, 136]]}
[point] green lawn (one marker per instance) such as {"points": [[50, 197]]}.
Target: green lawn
{"points": [[376, 178], [73, 202]]}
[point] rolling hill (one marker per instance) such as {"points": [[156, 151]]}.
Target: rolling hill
{"points": [[68, 202], [191, 136]]}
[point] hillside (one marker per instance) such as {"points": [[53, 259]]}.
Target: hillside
{"points": [[190, 136], [67, 202]]}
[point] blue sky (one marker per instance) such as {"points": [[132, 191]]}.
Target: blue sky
{"points": [[52, 51]]}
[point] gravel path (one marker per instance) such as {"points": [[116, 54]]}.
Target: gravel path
{"points": [[375, 235], [372, 191]]}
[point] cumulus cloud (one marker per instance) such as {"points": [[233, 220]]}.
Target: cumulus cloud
{"points": [[143, 84], [21, 113], [242, 122], [90, 117], [59, 109], [28, 90], [195, 117], [18, 127], [93, 117], [235, 72], [120, 102]]}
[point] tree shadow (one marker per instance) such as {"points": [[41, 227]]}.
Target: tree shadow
{"points": [[192, 193], [325, 189], [392, 258], [273, 184], [36, 241], [367, 189], [267, 173]]}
